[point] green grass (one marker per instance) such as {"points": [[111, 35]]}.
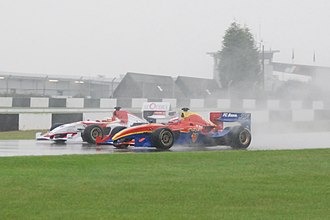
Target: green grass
{"points": [[18, 135], [189, 185]]}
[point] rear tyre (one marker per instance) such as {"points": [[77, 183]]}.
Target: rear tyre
{"points": [[240, 137], [162, 138], [91, 132]]}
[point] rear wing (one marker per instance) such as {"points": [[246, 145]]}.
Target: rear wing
{"points": [[219, 118]]}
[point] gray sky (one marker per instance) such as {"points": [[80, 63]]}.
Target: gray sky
{"points": [[168, 37]]}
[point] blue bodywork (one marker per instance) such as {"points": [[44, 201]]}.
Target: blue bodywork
{"points": [[243, 118]]}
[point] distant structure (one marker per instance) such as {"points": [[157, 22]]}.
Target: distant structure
{"points": [[197, 88], [150, 86], [216, 71], [274, 74], [266, 59], [131, 85], [46, 85], [139, 85], [316, 76], [275, 78]]}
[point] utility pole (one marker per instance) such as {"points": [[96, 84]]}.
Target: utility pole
{"points": [[263, 68], [112, 87]]}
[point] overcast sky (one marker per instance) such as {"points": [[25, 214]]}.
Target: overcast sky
{"points": [[167, 37]]}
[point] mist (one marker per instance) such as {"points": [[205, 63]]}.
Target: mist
{"points": [[87, 39], [162, 37]]}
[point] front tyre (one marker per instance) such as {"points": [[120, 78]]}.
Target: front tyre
{"points": [[162, 138], [240, 137], [91, 132], [115, 130]]}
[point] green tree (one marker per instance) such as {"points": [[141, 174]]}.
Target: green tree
{"points": [[239, 58]]}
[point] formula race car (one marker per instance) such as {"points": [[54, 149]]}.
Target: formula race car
{"points": [[188, 129], [88, 130]]}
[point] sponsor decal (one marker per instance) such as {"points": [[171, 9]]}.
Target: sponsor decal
{"points": [[141, 139], [194, 136], [157, 106], [152, 106], [229, 115]]}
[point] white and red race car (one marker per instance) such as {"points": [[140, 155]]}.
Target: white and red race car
{"points": [[87, 131]]}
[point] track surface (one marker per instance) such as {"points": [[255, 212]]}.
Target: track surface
{"points": [[278, 141]]}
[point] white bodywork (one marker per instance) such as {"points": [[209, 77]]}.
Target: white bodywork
{"points": [[73, 131], [157, 112]]}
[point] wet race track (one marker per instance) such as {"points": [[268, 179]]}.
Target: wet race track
{"points": [[280, 141]]}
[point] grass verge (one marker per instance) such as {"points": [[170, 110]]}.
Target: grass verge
{"points": [[18, 135], [189, 185]]}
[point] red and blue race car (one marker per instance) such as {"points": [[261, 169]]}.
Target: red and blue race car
{"points": [[188, 129]]}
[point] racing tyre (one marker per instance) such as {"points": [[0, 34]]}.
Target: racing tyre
{"points": [[55, 126], [240, 137], [91, 132], [114, 131], [106, 130], [162, 138]]}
